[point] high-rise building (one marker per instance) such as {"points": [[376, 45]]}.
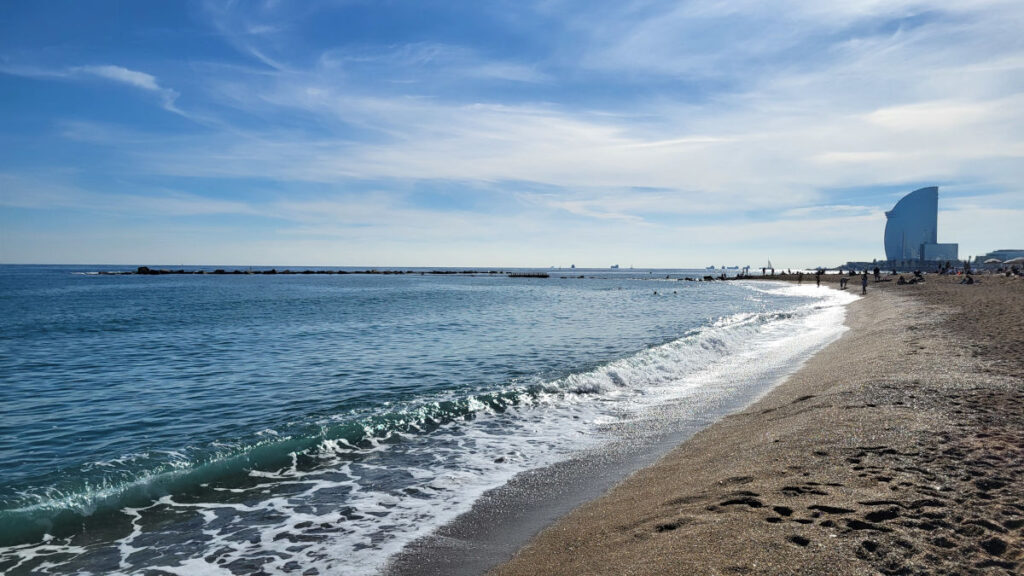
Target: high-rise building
{"points": [[911, 229]]}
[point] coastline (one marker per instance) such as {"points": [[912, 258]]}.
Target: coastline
{"points": [[504, 518], [898, 449]]}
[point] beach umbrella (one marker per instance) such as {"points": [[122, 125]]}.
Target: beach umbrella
{"points": [[993, 261]]}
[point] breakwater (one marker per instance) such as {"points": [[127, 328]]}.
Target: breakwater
{"points": [[147, 271]]}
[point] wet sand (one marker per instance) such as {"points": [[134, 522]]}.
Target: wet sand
{"points": [[898, 449]]}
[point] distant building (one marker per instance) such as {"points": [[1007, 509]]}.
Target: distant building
{"points": [[911, 229], [940, 252], [1001, 255]]}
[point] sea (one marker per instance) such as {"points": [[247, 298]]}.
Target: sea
{"points": [[321, 423]]}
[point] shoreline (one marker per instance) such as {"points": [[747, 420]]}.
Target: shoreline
{"points": [[897, 449], [504, 518]]}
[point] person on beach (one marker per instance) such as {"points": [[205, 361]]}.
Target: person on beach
{"points": [[864, 283], [817, 278]]}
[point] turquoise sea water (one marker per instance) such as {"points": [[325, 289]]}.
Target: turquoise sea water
{"points": [[239, 424]]}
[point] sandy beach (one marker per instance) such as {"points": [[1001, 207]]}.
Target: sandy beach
{"points": [[898, 449]]}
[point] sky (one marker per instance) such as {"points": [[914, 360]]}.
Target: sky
{"points": [[541, 133]]}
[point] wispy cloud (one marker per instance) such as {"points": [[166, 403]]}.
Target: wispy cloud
{"points": [[135, 79], [932, 116], [109, 72], [123, 75], [428, 62]]}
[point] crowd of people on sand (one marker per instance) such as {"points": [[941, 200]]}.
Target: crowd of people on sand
{"points": [[963, 270], [1010, 272]]}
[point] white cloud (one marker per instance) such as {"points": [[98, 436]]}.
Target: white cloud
{"points": [[931, 116], [135, 79], [118, 74], [123, 75]]}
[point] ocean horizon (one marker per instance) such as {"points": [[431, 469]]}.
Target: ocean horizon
{"points": [[294, 422]]}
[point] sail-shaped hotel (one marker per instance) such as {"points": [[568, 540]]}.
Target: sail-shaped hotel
{"points": [[911, 229]]}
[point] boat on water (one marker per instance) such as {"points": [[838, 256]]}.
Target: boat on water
{"points": [[615, 266]]}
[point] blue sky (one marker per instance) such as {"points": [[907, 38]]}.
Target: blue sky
{"points": [[503, 133]]}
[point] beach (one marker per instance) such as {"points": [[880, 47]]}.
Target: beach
{"points": [[662, 426], [898, 449]]}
